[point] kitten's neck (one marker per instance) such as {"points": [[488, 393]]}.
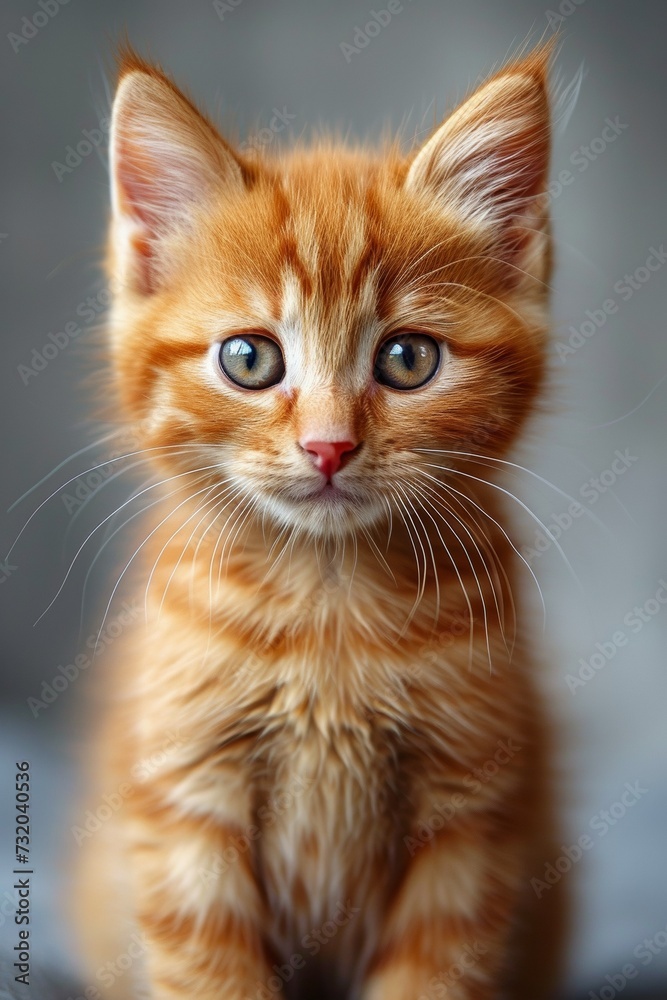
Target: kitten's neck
{"points": [[265, 580]]}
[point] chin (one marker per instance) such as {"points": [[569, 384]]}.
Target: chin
{"points": [[329, 513]]}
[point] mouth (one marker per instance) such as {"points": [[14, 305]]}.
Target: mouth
{"points": [[320, 505], [328, 492], [332, 492], [329, 503]]}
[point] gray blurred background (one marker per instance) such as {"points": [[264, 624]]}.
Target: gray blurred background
{"points": [[243, 61]]}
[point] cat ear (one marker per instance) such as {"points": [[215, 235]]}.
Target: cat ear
{"points": [[166, 161], [488, 162]]}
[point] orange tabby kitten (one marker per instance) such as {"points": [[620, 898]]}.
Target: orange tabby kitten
{"points": [[326, 737]]}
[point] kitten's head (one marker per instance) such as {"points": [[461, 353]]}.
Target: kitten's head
{"points": [[313, 321]]}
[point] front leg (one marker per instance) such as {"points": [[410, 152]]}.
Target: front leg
{"points": [[447, 931], [198, 906]]}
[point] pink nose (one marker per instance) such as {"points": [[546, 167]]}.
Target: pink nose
{"points": [[327, 455]]}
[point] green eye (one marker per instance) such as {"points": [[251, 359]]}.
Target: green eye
{"points": [[252, 361], [407, 361]]}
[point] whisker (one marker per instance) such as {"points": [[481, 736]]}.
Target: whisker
{"points": [[452, 489], [56, 468], [211, 505], [94, 493], [188, 499], [496, 562], [237, 514], [228, 543], [354, 564], [193, 563], [413, 263], [479, 256], [292, 543], [476, 291], [525, 507], [376, 551], [521, 468], [501, 617], [281, 533], [110, 537], [104, 521], [79, 475], [290, 531], [477, 580], [428, 542], [401, 508], [196, 511], [390, 522]]}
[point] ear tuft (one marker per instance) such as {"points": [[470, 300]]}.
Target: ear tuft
{"points": [[488, 162], [166, 161]]}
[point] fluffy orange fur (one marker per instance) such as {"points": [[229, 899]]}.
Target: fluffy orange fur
{"points": [[345, 788]]}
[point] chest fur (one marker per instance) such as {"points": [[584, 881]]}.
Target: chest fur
{"points": [[331, 813]]}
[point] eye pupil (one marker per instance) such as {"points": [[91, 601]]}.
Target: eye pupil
{"points": [[252, 361], [241, 348], [407, 361], [409, 357]]}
